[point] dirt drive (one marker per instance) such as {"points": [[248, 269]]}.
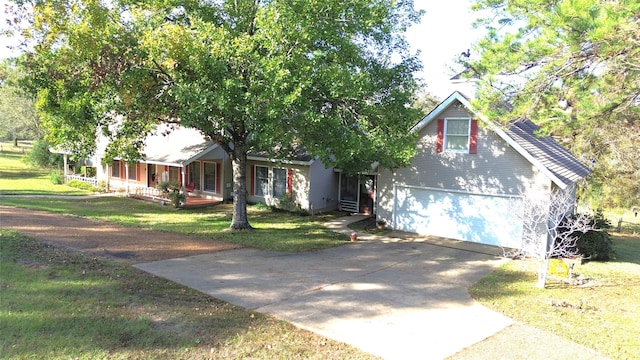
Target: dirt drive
{"points": [[128, 244]]}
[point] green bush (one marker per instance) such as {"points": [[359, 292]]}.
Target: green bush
{"points": [[56, 177], [81, 185], [595, 244], [42, 157], [287, 204], [171, 189]]}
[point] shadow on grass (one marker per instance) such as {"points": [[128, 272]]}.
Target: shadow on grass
{"points": [[63, 304]]}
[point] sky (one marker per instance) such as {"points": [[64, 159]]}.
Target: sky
{"points": [[444, 32]]}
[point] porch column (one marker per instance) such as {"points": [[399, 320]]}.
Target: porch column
{"points": [[66, 165], [183, 178], [126, 181]]}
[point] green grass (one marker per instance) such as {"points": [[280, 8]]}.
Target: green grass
{"points": [[602, 314], [275, 231], [19, 178], [630, 222], [61, 304]]}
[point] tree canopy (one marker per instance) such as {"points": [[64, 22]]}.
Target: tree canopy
{"points": [[18, 118], [572, 66], [332, 76]]}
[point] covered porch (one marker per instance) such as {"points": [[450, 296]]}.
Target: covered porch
{"points": [[357, 193]]}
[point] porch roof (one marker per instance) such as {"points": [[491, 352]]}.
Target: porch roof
{"points": [[175, 147]]}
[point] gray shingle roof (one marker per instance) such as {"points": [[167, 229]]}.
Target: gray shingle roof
{"points": [[547, 151]]}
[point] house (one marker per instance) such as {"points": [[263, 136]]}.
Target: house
{"points": [[185, 156], [469, 177]]}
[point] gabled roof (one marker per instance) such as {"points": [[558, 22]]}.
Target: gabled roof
{"points": [[543, 152], [552, 155]]}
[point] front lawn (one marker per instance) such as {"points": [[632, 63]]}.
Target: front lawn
{"points": [[19, 178], [602, 314], [62, 304], [277, 231]]}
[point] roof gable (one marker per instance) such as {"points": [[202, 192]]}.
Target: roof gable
{"points": [[543, 152]]}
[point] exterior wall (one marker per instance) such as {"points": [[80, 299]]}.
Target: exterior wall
{"points": [[121, 182], [225, 175], [496, 168], [323, 191], [300, 183]]}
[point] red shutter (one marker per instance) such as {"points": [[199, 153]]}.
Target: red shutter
{"points": [[473, 138], [290, 181], [253, 180], [440, 139], [218, 179]]}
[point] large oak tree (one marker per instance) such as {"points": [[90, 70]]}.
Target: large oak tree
{"points": [[332, 76]]}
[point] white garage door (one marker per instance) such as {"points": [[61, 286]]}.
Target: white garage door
{"points": [[486, 219]]}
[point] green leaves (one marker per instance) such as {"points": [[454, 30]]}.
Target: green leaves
{"points": [[573, 66]]}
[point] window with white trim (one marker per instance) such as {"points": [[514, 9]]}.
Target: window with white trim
{"points": [[456, 134], [261, 181], [279, 182]]}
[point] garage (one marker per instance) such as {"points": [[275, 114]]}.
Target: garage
{"points": [[481, 218]]}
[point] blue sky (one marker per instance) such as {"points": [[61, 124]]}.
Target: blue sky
{"points": [[445, 31]]}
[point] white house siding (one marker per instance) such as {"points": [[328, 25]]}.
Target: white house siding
{"points": [[497, 171], [323, 184]]}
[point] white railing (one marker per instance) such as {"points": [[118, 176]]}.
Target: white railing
{"points": [[148, 192], [350, 206], [89, 180]]}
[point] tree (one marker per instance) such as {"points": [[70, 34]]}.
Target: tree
{"points": [[550, 229], [333, 76], [18, 118], [426, 102], [573, 67]]}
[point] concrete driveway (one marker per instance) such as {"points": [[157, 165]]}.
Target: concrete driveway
{"points": [[397, 299]]}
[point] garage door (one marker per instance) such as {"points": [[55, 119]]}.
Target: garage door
{"points": [[487, 219]]}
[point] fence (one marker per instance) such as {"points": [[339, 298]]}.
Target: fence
{"points": [[628, 226], [89, 180]]}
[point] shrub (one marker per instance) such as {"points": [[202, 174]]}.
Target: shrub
{"points": [[81, 185], [172, 191], [595, 244], [287, 203], [56, 177], [42, 157]]}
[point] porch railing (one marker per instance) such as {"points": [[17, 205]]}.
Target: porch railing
{"points": [[89, 180], [147, 192]]}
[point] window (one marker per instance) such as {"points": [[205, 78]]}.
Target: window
{"points": [[261, 181], [457, 133], [279, 182], [194, 174], [209, 176], [115, 169], [132, 172], [174, 174]]}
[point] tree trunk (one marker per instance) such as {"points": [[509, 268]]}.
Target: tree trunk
{"points": [[240, 220], [543, 269]]}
